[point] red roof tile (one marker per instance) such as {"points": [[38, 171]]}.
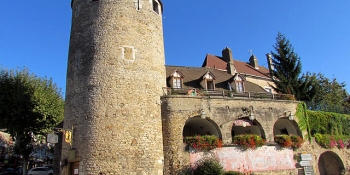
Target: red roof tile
{"points": [[217, 62]]}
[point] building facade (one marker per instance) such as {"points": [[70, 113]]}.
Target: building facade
{"points": [[127, 113]]}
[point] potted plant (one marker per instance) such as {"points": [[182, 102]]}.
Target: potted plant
{"points": [[251, 141], [289, 141], [203, 142]]}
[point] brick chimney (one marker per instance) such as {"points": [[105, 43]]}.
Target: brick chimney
{"points": [[227, 55], [253, 61], [270, 64]]}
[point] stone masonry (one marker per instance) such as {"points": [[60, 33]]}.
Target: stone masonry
{"points": [[114, 82], [121, 121], [176, 110], [222, 112]]}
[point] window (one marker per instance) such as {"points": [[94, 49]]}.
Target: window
{"points": [[155, 6], [93, 1], [208, 81], [128, 53], [176, 82], [239, 86], [138, 5], [176, 79], [78, 61], [239, 83], [210, 85], [269, 90]]}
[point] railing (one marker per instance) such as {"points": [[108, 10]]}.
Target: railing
{"points": [[196, 92]]}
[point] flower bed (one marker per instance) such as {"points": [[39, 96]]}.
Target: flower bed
{"points": [[248, 140], [204, 142], [331, 141], [289, 141]]}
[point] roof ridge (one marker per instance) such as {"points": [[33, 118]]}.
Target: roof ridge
{"points": [[250, 66], [182, 66]]}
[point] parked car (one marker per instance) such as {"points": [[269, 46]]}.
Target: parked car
{"points": [[49, 166], [40, 171], [9, 171]]}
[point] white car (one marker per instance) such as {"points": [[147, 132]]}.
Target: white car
{"points": [[40, 171]]}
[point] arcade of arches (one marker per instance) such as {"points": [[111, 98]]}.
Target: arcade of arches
{"points": [[226, 119]]}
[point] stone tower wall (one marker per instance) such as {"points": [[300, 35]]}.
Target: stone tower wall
{"points": [[114, 82]]}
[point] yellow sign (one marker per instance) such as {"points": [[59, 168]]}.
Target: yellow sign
{"points": [[68, 136]]}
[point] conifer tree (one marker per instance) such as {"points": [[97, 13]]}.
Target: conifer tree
{"points": [[286, 75]]}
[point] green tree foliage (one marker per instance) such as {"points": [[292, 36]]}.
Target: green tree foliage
{"points": [[287, 71], [208, 166], [331, 96], [29, 106]]}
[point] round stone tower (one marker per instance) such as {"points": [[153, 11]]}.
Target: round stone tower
{"points": [[115, 77]]}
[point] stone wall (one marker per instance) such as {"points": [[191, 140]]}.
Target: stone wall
{"points": [[222, 111], [114, 82]]}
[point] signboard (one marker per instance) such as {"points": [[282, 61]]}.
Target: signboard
{"points": [[52, 138], [306, 157], [305, 163], [308, 170]]}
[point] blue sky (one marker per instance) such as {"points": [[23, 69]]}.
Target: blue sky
{"points": [[35, 34]]}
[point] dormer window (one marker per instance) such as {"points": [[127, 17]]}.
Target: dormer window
{"points": [[239, 86], [177, 82], [208, 81], [176, 79], [238, 83]]}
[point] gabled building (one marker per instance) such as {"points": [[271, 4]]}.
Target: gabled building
{"points": [[209, 79], [251, 71]]}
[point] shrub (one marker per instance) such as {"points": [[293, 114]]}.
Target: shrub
{"points": [[208, 166], [203, 143], [297, 141], [332, 141], [248, 140], [341, 144], [232, 173]]}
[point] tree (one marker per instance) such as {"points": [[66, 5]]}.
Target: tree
{"points": [[29, 106], [331, 97], [286, 75]]}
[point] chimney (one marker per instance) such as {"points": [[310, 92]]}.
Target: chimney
{"points": [[270, 64], [253, 61], [227, 55]]}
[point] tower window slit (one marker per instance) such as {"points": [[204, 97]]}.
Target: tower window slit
{"points": [[155, 6]]}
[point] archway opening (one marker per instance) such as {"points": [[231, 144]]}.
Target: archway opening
{"points": [[246, 126], [197, 126], [284, 126], [329, 163]]}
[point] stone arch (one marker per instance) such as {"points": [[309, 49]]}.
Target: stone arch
{"points": [[198, 126], [246, 126], [330, 163], [285, 126]]}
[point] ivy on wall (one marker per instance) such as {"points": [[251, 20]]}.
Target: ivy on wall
{"points": [[303, 118], [329, 123], [324, 126]]}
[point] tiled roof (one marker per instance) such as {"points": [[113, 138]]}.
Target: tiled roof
{"points": [[193, 76], [217, 62]]}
